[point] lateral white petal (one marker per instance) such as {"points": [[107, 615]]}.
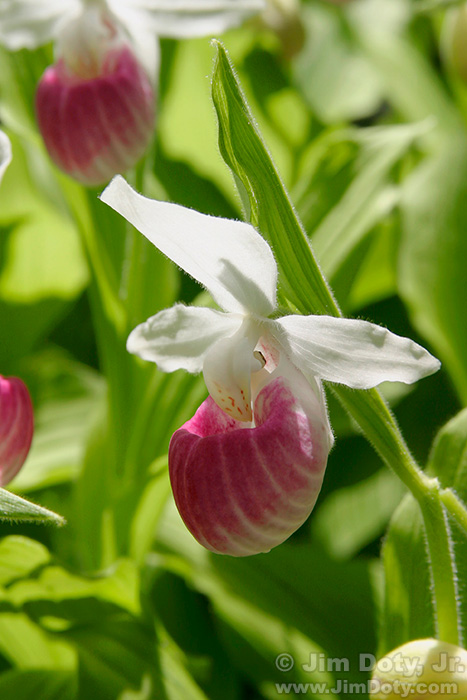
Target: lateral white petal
{"points": [[5, 153], [228, 257], [180, 337], [31, 23], [353, 352], [191, 18]]}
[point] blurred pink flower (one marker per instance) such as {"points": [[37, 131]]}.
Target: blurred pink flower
{"points": [[16, 426], [96, 104], [96, 113]]}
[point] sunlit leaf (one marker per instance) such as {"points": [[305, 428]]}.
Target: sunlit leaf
{"points": [[433, 255], [334, 74]]}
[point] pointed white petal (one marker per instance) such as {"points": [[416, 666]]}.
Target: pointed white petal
{"points": [[31, 23], [5, 153], [189, 18], [353, 352], [228, 257], [180, 337]]}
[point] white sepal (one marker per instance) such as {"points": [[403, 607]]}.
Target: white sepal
{"points": [[182, 19], [353, 352], [180, 337], [27, 24], [228, 257]]}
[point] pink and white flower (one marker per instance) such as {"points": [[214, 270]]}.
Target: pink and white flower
{"points": [[246, 470], [96, 104]]}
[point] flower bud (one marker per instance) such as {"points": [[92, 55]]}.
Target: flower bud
{"points": [[421, 669], [242, 490], [95, 105], [16, 426]]}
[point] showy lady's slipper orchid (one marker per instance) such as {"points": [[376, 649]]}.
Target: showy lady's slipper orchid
{"points": [[247, 468], [96, 105], [16, 426]]}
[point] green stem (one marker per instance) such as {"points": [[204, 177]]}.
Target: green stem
{"points": [[443, 568], [455, 507], [380, 427]]}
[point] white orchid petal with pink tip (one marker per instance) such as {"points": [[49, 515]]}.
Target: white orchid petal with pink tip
{"points": [[247, 469]]}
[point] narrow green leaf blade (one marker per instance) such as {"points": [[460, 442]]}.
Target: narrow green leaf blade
{"points": [[13, 508], [267, 202]]}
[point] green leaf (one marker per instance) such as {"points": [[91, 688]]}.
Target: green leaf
{"points": [[19, 557], [244, 152], [56, 591], [13, 508], [408, 611], [27, 646], [47, 684], [153, 499], [42, 267], [433, 255], [448, 459], [407, 77], [115, 656], [187, 617], [448, 462], [68, 398], [352, 517], [369, 196], [332, 71], [303, 593]]}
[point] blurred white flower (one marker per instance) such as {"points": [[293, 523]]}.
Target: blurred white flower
{"points": [[5, 153]]}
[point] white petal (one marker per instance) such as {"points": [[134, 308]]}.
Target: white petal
{"points": [[228, 367], [352, 352], [228, 257], [180, 337], [31, 23], [189, 18], [5, 153]]}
